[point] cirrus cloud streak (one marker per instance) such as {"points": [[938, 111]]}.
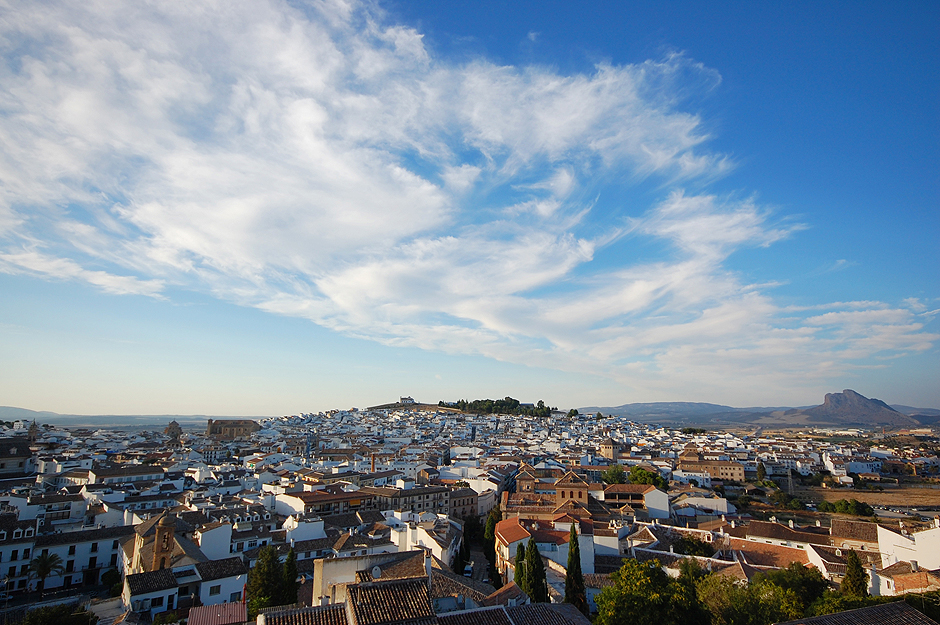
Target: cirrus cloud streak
{"points": [[320, 162]]}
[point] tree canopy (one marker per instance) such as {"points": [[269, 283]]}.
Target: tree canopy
{"points": [[642, 594], [855, 582], [639, 475], [535, 574], [270, 583], [575, 592], [44, 565], [843, 506], [614, 475], [507, 405]]}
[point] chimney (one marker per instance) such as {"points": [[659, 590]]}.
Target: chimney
{"points": [[914, 567], [818, 524], [791, 524]]}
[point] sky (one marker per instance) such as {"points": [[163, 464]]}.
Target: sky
{"points": [[269, 207]]}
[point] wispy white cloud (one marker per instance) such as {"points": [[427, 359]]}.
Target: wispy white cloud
{"points": [[318, 161]]}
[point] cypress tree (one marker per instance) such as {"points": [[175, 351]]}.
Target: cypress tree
{"points": [[264, 580], [536, 573], [575, 592], [855, 582], [289, 584], [520, 576], [761, 472]]}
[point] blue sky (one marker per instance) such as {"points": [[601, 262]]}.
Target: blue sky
{"points": [[273, 207]]}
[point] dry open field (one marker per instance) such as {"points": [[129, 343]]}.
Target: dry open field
{"points": [[891, 497]]}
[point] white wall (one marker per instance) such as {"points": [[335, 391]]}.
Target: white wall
{"points": [[657, 504], [227, 586]]}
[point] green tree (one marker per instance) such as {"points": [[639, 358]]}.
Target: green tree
{"points": [[538, 584], [489, 531], [44, 565], [446, 459], [264, 581], [639, 475], [855, 582], [614, 475], [575, 592], [806, 582], [832, 602], [59, 615], [733, 603], [520, 572], [694, 547], [573, 413], [289, 584], [642, 594], [761, 472]]}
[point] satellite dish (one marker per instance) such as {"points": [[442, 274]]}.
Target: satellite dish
{"points": [[376, 572]]}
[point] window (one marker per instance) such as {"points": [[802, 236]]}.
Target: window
{"points": [[235, 596], [12, 571], [215, 590], [94, 547], [29, 531], [3, 534], [70, 566], [92, 563], [71, 550], [114, 545], [156, 602], [114, 559], [252, 544], [14, 554], [17, 533], [68, 580], [26, 554]]}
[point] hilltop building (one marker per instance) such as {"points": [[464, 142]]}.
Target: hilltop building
{"points": [[231, 429]]}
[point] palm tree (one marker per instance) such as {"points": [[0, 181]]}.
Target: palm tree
{"points": [[44, 565]]}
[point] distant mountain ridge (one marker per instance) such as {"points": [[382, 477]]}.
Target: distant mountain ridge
{"points": [[11, 413], [841, 409]]}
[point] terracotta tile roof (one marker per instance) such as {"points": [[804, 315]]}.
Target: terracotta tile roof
{"points": [[484, 616], [509, 531], [917, 581], [509, 592], [221, 614], [762, 554], [153, 581], [546, 614], [318, 615], [448, 584], [854, 530], [629, 489], [571, 479], [895, 613], [776, 531], [394, 601], [220, 569], [409, 564]]}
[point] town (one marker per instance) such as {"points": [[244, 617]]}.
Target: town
{"points": [[451, 516]]}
